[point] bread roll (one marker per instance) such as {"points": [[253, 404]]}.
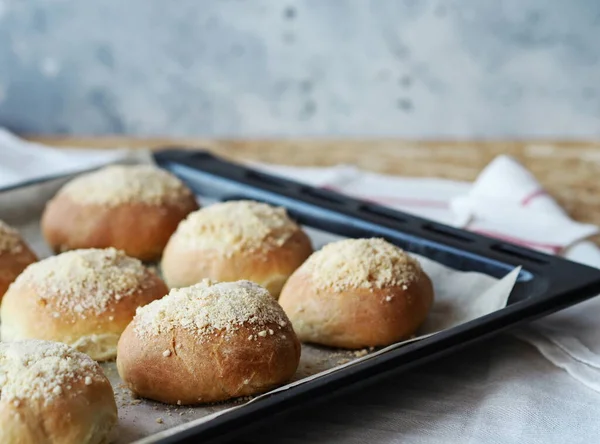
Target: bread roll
{"points": [[236, 240], [15, 255], [357, 293], [84, 298], [50, 393], [207, 343], [131, 208]]}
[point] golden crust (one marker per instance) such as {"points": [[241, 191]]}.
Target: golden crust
{"points": [[140, 229], [355, 318], [12, 263], [25, 315], [215, 369], [183, 266]]}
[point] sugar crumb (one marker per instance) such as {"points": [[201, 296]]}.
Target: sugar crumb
{"points": [[208, 307], [84, 281], [10, 239], [237, 225], [41, 370], [361, 263], [166, 353], [118, 184]]}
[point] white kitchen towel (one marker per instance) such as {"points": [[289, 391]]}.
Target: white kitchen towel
{"points": [[21, 161], [505, 201]]}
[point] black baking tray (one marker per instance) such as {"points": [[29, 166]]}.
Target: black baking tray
{"points": [[545, 283]]}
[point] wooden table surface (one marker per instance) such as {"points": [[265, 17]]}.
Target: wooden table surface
{"points": [[570, 171]]}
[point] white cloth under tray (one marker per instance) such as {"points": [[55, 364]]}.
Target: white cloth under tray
{"points": [[503, 391]]}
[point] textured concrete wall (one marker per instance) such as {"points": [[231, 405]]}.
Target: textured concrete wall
{"points": [[483, 68]]}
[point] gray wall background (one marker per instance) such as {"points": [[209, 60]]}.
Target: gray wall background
{"points": [[420, 68]]}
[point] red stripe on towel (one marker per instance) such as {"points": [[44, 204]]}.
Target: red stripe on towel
{"points": [[537, 193]]}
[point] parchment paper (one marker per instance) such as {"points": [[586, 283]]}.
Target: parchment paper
{"points": [[459, 297]]}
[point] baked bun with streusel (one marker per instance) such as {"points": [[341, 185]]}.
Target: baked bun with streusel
{"points": [[15, 255], [208, 342], [84, 298], [357, 293], [133, 208], [236, 240], [50, 393]]}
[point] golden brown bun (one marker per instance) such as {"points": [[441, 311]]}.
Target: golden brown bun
{"points": [[236, 240], [357, 293], [84, 298], [221, 340], [51, 394], [15, 255], [132, 208]]}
